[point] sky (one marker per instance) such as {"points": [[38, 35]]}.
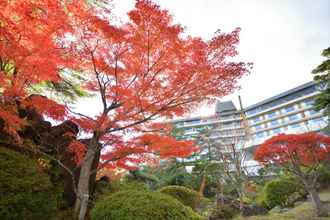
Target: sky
{"points": [[283, 38]]}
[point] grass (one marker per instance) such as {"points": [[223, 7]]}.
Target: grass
{"points": [[302, 212]]}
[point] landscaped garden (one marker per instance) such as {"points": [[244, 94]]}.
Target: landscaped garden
{"points": [[87, 107]]}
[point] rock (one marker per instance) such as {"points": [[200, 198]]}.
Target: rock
{"points": [[254, 209], [276, 209], [285, 210]]}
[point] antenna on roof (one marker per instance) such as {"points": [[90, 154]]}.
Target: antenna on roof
{"points": [[240, 103]]}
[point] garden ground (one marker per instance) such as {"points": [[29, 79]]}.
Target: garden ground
{"points": [[303, 211]]}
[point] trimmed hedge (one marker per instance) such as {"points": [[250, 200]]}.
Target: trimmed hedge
{"points": [[141, 205], [25, 191], [104, 189], [185, 195]]}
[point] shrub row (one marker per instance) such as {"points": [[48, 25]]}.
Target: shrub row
{"points": [[141, 205]]}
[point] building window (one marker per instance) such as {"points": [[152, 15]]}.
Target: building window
{"points": [[260, 135], [309, 102], [187, 130], [271, 115], [312, 112], [200, 129], [257, 119], [293, 117], [294, 126], [187, 137], [289, 109], [274, 123], [252, 111], [276, 130], [258, 127], [192, 122], [317, 121]]}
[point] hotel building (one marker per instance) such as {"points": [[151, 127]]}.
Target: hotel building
{"points": [[288, 112]]}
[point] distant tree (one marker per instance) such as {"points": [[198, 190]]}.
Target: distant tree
{"points": [[301, 155], [322, 76], [220, 162]]}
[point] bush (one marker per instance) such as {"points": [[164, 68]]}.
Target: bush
{"points": [[132, 185], [185, 195], [278, 192], [223, 212], [139, 205], [25, 191], [104, 188], [253, 209], [324, 176]]}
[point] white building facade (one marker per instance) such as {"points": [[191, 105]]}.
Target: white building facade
{"points": [[289, 112]]}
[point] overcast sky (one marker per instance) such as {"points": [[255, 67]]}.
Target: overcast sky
{"points": [[283, 38]]}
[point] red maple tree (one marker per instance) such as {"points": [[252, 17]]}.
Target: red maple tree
{"points": [[300, 154], [144, 69]]}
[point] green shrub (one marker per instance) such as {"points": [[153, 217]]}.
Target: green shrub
{"points": [[132, 185], [104, 188], [278, 192], [324, 176], [141, 205], [185, 195], [25, 191], [223, 212]]}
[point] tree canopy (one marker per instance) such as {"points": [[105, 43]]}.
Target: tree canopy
{"points": [[322, 76], [139, 70]]}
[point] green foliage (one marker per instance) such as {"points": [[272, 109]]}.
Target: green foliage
{"points": [[185, 195], [132, 185], [142, 176], [139, 205], [324, 176], [277, 192], [213, 173], [322, 75], [25, 191], [104, 188], [172, 173], [68, 89]]}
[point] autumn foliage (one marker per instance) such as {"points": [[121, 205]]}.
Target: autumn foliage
{"points": [[305, 149], [148, 68], [31, 52], [139, 70], [300, 154]]}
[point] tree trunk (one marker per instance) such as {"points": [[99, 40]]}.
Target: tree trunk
{"points": [[241, 202], [318, 205], [241, 196], [219, 197], [82, 199], [222, 199], [202, 186]]}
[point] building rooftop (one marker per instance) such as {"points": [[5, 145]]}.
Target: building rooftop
{"points": [[222, 107], [281, 95]]}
